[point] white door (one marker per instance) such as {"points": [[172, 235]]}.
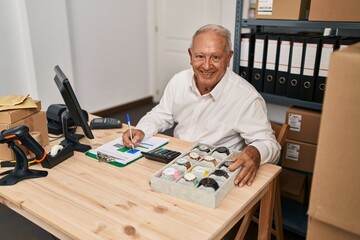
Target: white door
{"points": [[176, 22]]}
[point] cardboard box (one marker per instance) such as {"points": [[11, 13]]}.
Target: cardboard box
{"points": [[11, 116], [282, 9], [35, 122], [304, 124], [335, 10], [334, 197], [195, 193], [292, 185], [318, 230], [298, 155]]}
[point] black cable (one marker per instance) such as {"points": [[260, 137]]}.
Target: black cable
{"points": [[53, 138]]}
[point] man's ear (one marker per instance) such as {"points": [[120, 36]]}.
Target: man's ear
{"points": [[189, 51], [231, 53]]}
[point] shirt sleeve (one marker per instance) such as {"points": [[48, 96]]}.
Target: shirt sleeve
{"points": [[160, 118], [255, 128]]}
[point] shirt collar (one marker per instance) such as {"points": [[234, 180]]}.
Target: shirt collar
{"points": [[192, 84], [216, 92]]}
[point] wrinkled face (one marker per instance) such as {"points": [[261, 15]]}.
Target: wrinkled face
{"points": [[209, 60]]}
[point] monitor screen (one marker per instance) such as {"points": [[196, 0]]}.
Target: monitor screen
{"points": [[73, 112]]}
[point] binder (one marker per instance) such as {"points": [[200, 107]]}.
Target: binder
{"points": [[246, 55], [259, 61], [327, 47], [282, 74], [296, 67], [271, 65], [310, 68]]}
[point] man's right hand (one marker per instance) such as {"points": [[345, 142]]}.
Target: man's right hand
{"points": [[137, 136], [249, 159]]}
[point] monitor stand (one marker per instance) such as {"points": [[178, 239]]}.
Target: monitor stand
{"points": [[72, 138]]}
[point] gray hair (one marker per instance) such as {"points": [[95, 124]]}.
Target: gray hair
{"points": [[220, 30]]}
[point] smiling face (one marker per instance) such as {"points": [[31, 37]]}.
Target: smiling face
{"points": [[209, 59]]}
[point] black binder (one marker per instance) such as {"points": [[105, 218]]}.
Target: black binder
{"points": [[271, 65], [328, 45], [344, 42], [310, 68], [246, 55], [296, 67], [259, 61], [282, 74]]}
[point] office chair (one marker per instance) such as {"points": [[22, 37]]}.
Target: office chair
{"points": [[280, 133]]}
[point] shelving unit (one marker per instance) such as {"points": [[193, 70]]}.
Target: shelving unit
{"points": [[281, 26], [300, 24]]}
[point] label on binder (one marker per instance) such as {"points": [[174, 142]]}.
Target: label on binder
{"points": [[244, 54], [284, 56], [259, 51], [271, 54], [310, 57], [296, 58], [327, 49]]}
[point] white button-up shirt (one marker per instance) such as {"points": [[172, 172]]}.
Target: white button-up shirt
{"points": [[233, 115]]}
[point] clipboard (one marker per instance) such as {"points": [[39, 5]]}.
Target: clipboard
{"points": [[115, 153]]}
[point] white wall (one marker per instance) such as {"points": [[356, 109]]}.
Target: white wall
{"points": [[50, 45], [109, 41], [101, 45], [14, 77]]}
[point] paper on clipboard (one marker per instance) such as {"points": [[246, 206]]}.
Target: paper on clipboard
{"points": [[116, 151]]}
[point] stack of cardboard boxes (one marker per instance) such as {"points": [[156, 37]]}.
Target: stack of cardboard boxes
{"points": [[334, 211], [33, 118], [298, 155]]}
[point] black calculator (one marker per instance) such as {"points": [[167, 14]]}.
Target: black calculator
{"points": [[161, 155]]}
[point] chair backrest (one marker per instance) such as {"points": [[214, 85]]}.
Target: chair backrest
{"points": [[280, 132]]}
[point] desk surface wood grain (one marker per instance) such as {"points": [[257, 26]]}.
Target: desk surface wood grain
{"points": [[84, 199]]}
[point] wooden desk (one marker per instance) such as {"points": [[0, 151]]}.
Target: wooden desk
{"points": [[84, 199]]}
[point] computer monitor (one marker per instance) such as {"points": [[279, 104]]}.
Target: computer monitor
{"points": [[73, 112]]}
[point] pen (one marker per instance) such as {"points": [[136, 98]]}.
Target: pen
{"points": [[129, 126]]}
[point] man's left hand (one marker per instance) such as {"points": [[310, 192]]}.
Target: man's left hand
{"points": [[249, 160]]}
